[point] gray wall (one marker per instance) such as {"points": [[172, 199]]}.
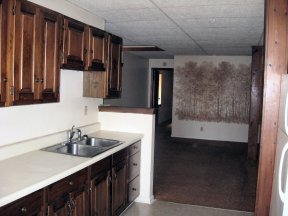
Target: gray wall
{"points": [[134, 82], [165, 110]]}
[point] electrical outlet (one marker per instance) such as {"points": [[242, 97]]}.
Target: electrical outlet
{"points": [[201, 129], [85, 110]]}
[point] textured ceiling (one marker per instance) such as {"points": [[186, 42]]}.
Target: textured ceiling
{"points": [[183, 27]]}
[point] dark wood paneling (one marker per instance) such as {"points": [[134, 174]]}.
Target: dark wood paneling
{"points": [[275, 65], [257, 72]]}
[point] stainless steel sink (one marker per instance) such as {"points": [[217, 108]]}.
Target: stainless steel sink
{"points": [[99, 142], [89, 147]]}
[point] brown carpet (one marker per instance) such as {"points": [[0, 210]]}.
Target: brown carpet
{"points": [[205, 173]]}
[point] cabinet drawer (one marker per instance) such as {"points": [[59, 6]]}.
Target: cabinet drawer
{"points": [[134, 166], [28, 205], [100, 166], [136, 147], [68, 184], [119, 156], [133, 189]]}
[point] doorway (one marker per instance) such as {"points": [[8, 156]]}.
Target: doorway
{"points": [[162, 94]]}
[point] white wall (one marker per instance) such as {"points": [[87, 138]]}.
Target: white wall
{"points": [[211, 130], [156, 63], [19, 123], [137, 123], [66, 8], [165, 110], [134, 83]]}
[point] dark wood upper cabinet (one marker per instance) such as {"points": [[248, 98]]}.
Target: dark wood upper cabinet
{"points": [[74, 46], [49, 73], [115, 67], [97, 50], [106, 84], [25, 52], [3, 47], [36, 54]]}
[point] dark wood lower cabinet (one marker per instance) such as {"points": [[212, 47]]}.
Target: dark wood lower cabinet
{"points": [[100, 196], [119, 187], [30, 205], [69, 196], [105, 188]]}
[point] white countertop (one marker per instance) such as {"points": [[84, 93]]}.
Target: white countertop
{"points": [[27, 173]]}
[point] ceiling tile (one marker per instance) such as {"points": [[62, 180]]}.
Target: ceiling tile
{"points": [[188, 3], [215, 11], [108, 5], [220, 27], [251, 22], [116, 16]]}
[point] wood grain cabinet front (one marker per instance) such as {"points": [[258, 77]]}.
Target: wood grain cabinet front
{"points": [[133, 180], [107, 83], [32, 53], [3, 53], [69, 196], [74, 50], [100, 188], [30, 205]]}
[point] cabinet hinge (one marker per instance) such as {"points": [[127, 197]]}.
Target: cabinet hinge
{"points": [[12, 90], [14, 10]]}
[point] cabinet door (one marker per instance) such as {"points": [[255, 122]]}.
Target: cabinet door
{"points": [[30, 205], [97, 48], [49, 72], [74, 49], [26, 43], [100, 194], [119, 187], [69, 196], [115, 71], [3, 48]]}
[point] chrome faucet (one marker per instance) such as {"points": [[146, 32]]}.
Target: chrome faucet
{"points": [[79, 133], [70, 134]]}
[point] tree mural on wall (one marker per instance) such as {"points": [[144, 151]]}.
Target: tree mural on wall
{"points": [[212, 93]]}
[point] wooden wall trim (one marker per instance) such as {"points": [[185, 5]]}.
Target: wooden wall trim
{"points": [[126, 110], [275, 66], [256, 97]]}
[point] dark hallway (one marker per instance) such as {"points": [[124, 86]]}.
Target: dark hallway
{"points": [[204, 173]]}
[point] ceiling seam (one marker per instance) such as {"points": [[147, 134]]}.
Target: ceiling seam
{"points": [[198, 45]]}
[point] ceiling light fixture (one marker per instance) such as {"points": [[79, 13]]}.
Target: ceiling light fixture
{"points": [[140, 48]]}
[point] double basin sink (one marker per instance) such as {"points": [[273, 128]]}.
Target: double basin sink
{"points": [[89, 147]]}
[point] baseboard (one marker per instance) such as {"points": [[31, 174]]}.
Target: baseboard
{"points": [[147, 200]]}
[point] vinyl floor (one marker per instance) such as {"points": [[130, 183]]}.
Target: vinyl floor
{"points": [[203, 173], [163, 208]]}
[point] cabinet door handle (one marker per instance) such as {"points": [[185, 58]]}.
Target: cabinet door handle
{"points": [[135, 147], [71, 183], [134, 189], [23, 209], [135, 164], [41, 80], [5, 79]]}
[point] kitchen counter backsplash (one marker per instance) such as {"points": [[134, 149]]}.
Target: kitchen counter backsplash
{"points": [[22, 147]]}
